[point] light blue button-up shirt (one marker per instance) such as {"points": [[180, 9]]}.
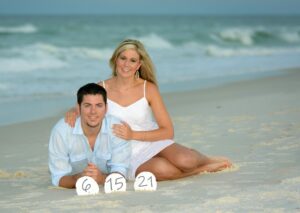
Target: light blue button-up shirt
{"points": [[70, 152]]}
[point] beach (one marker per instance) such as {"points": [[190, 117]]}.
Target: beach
{"points": [[256, 123]]}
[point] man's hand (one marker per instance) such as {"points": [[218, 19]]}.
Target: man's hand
{"points": [[92, 171]]}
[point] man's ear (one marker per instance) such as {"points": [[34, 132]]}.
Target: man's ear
{"points": [[78, 109]]}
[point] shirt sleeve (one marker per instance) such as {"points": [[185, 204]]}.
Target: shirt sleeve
{"points": [[120, 159], [59, 165], [121, 153]]}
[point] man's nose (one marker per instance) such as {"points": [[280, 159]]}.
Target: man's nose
{"points": [[93, 109]]}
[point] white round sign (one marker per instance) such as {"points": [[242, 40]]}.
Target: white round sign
{"points": [[115, 182], [86, 186], [145, 181]]}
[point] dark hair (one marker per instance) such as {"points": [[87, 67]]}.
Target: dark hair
{"points": [[91, 89]]}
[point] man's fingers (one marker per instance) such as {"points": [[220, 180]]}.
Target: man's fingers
{"points": [[92, 165]]}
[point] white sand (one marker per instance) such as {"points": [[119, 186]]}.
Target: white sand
{"points": [[256, 123]]}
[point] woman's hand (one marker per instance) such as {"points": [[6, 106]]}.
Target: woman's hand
{"points": [[123, 131], [71, 115]]}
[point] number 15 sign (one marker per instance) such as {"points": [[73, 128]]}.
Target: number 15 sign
{"points": [[115, 183]]}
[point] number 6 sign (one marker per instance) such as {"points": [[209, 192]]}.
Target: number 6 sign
{"points": [[145, 181], [114, 183], [86, 186]]}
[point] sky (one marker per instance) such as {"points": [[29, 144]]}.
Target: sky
{"points": [[150, 7]]}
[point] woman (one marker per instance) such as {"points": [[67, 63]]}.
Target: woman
{"points": [[133, 96]]}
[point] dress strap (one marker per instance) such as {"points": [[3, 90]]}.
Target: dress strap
{"points": [[145, 88], [103, 83]]}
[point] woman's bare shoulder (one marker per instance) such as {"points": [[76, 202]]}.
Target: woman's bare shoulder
{"points": [[106, 82], [151, 87], [152, 92]]}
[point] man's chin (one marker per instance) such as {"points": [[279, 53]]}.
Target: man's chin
{"points": [[93, 125]]}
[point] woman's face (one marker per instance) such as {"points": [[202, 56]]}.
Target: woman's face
{"points": [[128, 62]]}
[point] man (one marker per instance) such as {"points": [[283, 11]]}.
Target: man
{"points": [[90, 148]]}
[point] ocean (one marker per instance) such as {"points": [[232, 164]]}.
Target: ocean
{"points": [[45, 59]]}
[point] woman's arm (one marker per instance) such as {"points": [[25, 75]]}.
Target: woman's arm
{"points": [[165, 127]]}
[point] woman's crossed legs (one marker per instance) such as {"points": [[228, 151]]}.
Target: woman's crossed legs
{"points": [[177, 161]]}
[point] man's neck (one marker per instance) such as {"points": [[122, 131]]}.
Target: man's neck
{"points": [[91, 133]]}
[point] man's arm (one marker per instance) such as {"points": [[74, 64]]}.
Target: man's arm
{"points": [[92, 171], [69, 181], [59, 165], [121, 153]]}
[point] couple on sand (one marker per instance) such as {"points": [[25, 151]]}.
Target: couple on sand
{"points": [[122, 125]]}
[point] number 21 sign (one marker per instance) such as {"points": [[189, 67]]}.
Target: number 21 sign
{"points": [[145, 181]]}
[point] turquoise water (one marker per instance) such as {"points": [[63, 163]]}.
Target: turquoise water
{"points": [[43, 57]]}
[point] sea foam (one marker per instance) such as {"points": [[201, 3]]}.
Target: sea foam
{"points": [[156, 42], [26, 28]]}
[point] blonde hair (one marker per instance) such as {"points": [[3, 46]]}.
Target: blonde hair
{"points": [[146, 70]]}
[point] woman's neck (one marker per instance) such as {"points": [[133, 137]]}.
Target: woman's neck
{"points": [[124, 84]]}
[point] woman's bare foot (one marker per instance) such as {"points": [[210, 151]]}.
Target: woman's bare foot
{"points": [[215, 164], [219, 159]]}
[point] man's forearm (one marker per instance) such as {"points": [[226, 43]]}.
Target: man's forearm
{"points": [[69, 181], [101, 179]]}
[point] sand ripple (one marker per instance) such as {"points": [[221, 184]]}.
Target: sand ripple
{"points": [[8, 175]]}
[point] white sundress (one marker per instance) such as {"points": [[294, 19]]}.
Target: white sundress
{"points": [[139, 116]]}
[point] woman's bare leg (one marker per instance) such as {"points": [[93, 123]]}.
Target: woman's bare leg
{"points": [[163, 169], [189, 160], [177, 161]]}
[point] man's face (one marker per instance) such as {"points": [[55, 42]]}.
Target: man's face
{"points": [[92, 110]]}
